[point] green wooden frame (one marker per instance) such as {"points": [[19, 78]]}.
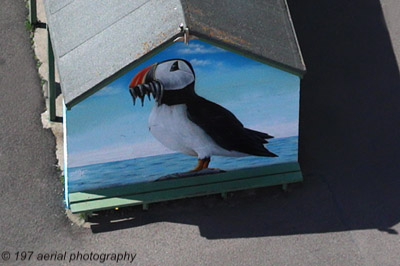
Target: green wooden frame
{"points": [[51, 80], [150, 192], [32, 12]]}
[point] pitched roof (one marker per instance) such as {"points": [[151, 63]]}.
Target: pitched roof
{"points": [[94, 42], [260, 28]]}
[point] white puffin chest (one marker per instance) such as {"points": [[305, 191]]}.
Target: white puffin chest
{"points": [[171, 126]]}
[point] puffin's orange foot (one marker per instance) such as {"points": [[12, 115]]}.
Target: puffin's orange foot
{"points": [[201, 164]]}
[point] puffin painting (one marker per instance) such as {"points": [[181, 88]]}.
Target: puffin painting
{"points": [[185, 122]]}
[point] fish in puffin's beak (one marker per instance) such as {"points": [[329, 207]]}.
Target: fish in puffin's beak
{"points": [[143, 83]]}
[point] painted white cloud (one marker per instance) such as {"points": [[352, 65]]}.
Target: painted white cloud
{"points": [[200, 62], [195, 48]]}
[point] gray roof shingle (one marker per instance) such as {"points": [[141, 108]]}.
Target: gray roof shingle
{"points": [[260, 28]]}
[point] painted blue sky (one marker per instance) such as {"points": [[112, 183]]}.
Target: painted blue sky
{"points": [[107, 127]]}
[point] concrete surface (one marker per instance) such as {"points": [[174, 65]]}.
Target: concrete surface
{"points": [[346, 212]]}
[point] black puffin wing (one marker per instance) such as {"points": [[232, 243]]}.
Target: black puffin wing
{"points": [[225, 129], [216, 121]]}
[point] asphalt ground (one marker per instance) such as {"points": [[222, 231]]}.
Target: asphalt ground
{"points": [[345, 213]]}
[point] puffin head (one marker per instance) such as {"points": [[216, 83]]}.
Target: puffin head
{"points": [[169, 75]]}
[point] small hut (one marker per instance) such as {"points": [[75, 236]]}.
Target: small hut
{"points": [[216, 86]]}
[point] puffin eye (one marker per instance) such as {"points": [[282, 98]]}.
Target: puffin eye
{"points": [[174, 67]]}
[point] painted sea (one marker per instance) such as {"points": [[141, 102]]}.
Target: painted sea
{"points": [[151, 168]]}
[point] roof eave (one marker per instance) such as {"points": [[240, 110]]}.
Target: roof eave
{"points": [[298, 71], [121, 72]]}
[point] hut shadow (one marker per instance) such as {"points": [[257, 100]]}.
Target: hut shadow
{"points": [[251, 213], [349, 140]]}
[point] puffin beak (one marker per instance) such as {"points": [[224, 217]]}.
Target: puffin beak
{"points": [[140, 77], [143, 84]]}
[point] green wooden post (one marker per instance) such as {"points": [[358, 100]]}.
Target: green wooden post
{"points": [[32, 12], [51, 80]]}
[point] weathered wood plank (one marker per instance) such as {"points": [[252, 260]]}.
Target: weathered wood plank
{"points": [[185, 192], [184, 182]]}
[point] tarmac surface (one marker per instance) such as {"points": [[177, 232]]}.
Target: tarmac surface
{"points": [[345, 213]]}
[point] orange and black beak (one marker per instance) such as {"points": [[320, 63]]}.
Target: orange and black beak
{"points": [[143, 83], [140, 77]]}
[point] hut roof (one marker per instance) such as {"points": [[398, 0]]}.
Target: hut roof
{"points": [[95, 42]]}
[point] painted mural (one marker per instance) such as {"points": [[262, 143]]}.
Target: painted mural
{"points": [[190, 109]]}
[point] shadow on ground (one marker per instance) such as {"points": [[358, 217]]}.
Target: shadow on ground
{"points": [[349, 140]]}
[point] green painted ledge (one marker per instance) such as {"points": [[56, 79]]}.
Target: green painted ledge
{"points": [[150, 192]]}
